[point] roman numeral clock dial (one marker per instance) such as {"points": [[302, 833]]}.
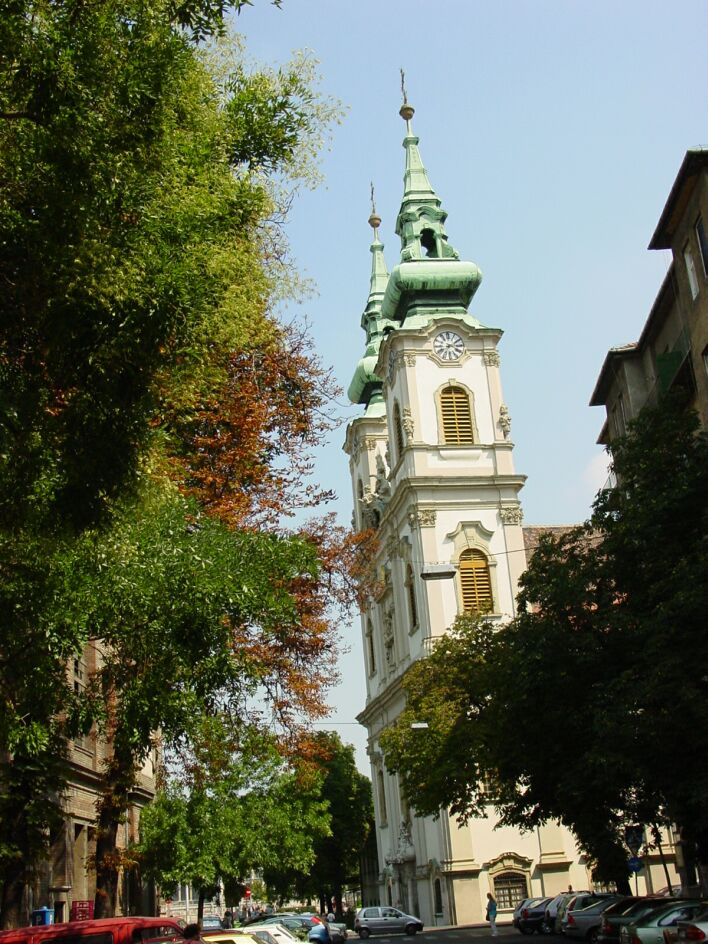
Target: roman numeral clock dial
{"points": [[448, 346]]}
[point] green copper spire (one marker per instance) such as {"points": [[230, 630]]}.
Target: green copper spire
{"points": [[430, 282], [366, 385], [379, 278], [421, 219]]}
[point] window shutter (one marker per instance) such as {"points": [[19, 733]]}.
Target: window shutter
{"points": [[456, 417], [475, 582]]}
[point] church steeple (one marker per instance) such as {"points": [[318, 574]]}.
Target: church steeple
{"points": [[366, 386], [379, 278], [421, 219], [431, 281]]}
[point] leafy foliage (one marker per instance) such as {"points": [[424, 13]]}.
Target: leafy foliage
{"points": [[347, 795], [222, 823], [139, 260]]}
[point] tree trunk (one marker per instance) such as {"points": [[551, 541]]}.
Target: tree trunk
{"points": [[11, 915], [656, 833], [200, 907], [118, 780], [622, 883]]}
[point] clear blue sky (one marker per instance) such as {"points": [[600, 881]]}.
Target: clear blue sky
{"points": [[552, 131]]}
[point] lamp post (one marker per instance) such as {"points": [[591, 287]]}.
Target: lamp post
{"points": [[438, 571]]}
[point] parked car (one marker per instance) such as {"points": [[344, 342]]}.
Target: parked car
{"points": [[552, 909], [229, 936], [517, 911], [385, 920], [695, 931], [579, 901], [585, 922], [532, 916], [273, 934], [211, 921], [650, 928], [107, 930], [624, 912], [301, 925]]}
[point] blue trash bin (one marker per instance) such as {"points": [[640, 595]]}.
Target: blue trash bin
{"points": [[43, 916]]}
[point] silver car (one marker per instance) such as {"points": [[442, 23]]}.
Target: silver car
{"points": [[385, 920], [585, 922], [650, 928]]}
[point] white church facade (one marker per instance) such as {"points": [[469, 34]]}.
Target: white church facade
{"points": [[431, 462]]}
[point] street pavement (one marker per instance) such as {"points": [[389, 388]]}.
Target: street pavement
{"points": [[458, 934]]}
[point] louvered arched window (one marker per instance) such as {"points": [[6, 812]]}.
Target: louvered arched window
{"points": [[475, 582], [398, 430], [456, 415]]}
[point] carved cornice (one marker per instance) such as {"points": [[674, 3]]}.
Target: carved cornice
{"points": [[422, 518], [512, 514]]}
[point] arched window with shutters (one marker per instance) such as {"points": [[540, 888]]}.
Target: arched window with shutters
{"points": [[457, 426], [475, 582], [438, 897], [397, 431]]}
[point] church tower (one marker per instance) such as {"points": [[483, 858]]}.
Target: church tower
{"points": [[432, 470]]}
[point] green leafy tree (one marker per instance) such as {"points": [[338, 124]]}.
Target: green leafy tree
{"points": [[224, 820], [347, 794], [139, 260], [598, 668]]}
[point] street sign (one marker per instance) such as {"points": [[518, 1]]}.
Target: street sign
{"points": [[634, 837], [634, 864]]}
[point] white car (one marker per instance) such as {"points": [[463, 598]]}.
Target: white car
{"points": [[274, 934], [690, 932]]}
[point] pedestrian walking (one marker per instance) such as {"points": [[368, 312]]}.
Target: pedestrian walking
{"points": [[492, 913]]}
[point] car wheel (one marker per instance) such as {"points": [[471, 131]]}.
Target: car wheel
{"points": [[592, 936], [546, 928], [411, 930], [364, 932]]}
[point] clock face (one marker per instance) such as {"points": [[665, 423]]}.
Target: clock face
{"points": [[448, 346]]}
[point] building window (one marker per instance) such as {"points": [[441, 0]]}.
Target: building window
{"points": [[412, 604], [702, 244], [690, 271], [383, 812], [370, 648], [438, 897], [397, 430], [456, 415], [405, 808], [510, 889], [619, 417], [475, 582]]}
